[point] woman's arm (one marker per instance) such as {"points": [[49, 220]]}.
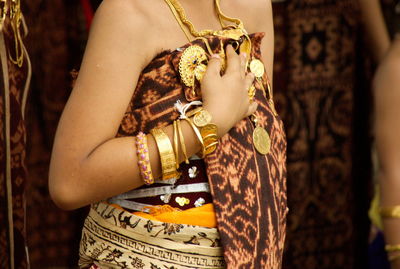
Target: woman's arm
{"points": [[88, 163], [387, 130], [375, 27]]}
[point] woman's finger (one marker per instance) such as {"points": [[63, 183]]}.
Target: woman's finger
{"points": [[249, 80], [243, 61], [233, 60], [252, 109], [214, 65]]}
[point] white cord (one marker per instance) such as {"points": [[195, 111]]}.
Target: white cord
{"points": [[182, 109]]}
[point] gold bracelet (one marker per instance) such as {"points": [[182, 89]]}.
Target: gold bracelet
{"points": [[392, 248], [210, 137], [199, 137], [209, 131], [182, 141], [176, 146], [167, 155], [390, 212], [393, 257]]}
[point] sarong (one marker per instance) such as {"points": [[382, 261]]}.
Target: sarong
{"points": [[114, 238]]}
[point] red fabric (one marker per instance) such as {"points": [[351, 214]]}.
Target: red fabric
{"points": [[88, 12]]}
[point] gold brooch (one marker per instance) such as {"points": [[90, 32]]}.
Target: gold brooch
{"points": [[191, 65]]}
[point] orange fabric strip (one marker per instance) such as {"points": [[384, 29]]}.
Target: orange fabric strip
{"points": [[201, 216]]}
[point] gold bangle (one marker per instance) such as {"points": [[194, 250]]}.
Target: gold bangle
{"points": [[211, 145], [392, 248], [182, 141], [390, 212], [392, 258], [210, 136], [199, 137], [167, 155], [176, 146]]}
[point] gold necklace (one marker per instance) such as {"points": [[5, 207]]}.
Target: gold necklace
{"points": [[192, 64], [16, 20], [181, 17]]}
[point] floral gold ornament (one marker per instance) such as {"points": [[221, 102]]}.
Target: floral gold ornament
{"points": [[191, 65], [182, 201]]}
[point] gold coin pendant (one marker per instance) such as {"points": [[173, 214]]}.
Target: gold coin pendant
{"points": [[202, 118], [257, 68], [261, 140]]}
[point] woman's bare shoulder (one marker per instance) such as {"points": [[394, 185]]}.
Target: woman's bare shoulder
{"points": [[256, 14]]}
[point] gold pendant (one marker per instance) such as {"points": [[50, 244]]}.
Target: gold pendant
{"points": [[202, 118], [261, 140], [191, 65], [257, 68]]}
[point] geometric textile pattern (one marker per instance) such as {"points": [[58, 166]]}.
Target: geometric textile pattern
{"points": [[14, 85], [315, 86], [248, 188], [57, 35]]}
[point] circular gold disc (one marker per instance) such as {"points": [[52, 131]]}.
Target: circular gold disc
{"points": [[261, 140], [202, 118], [257, 68], [209, 129]]}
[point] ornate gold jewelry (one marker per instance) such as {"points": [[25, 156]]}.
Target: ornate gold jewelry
{"points": [[394, 257], [16, 19], [3, 12], [261, 138], [180, 12], [390, 212], [209, 131], [167, 156], [176, 145], [391, 248], [271, 99], [182, 140], [182, 201], [191, 65], [252, 92], [257, 68], [198, 135], [202, 118]]}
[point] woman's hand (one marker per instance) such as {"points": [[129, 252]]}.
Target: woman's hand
{"points": [[226, 97]]}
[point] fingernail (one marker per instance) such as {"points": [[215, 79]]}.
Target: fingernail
{"points": [[216, 56], [244, 54]]}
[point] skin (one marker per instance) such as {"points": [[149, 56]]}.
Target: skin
{"points": [[387, 129], [88, 163], [387, 100], [376, 30]]}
